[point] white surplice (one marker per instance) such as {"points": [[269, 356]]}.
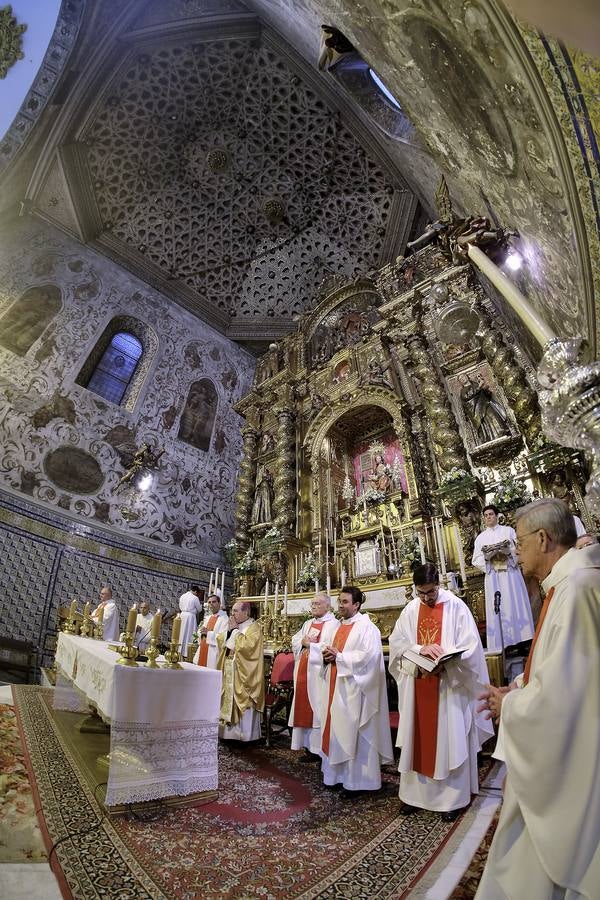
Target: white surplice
{"points": [[189, 607], [461, 731], [515, 608], [547, 843], [110, 622], [211, 638], [144, 624], [310, 738], [249, 728], [360, 739]]}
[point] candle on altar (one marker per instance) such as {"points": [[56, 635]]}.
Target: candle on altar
{"points": [[73, 609], [266, 593], [285, 593], [275, 599], [461, 557], [523, 308], [156, 623], [316, 585], [223, 587], [383, 543], [216, 584], [176, 629], [442, 551], [343, 579], [421, 546], [100, 616], [132, 619], [210, 585], [86, 611], [328, 585]]}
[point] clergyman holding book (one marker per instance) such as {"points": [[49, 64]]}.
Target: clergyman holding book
{"points": [[440, 732], [495, 555]]}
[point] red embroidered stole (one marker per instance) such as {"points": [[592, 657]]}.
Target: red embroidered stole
{"points": [[427, 695], [203, 655], [303, 714], [538, 628], [339, 642]]}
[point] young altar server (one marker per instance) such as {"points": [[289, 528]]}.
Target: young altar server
{"points": [[214, 623], [354, 715], [241, 659], [110, 615], [439, 732], [495, 555], [308, 687]]}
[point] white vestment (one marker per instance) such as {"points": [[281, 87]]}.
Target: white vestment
{"points": [[211, 638], [143, 627], [547, 843], [460, 730], [249, 728], [110, 622], [515, 608], [360, 738], [310, 738], [579, 526], [189, 607]]}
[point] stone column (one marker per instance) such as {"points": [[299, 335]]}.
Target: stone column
{"points": [[246, 480], [443, 427], [285, 476]]}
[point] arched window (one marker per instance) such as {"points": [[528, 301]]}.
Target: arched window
{"points": [[28, 318], [198, 416], [116, 368]]}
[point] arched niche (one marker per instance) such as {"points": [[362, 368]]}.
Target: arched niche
{"points": [[27, 319], [199, 413]]}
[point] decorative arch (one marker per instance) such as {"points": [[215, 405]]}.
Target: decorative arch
{"points": [[149, 341], [27, 319], [199, 414]]}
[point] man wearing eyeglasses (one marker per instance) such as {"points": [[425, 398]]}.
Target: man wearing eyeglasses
{"points": [[495, 555], [548, 835], [440, 732]]}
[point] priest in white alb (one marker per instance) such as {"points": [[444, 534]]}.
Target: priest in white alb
{"points": [[214, 623], [110, 615], [143, 626], [241, 659], [439, 732], [547, 842], [190, 606], [308, 685], [494, 554], [355, 727]]}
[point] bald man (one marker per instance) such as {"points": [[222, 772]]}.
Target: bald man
{"points": [[241, 660]]}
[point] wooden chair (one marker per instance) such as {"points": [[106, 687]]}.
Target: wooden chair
{"points": [[279, 693]]}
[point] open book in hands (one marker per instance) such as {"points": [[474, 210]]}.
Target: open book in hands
{"points": [[429, 664], [501, 549]]}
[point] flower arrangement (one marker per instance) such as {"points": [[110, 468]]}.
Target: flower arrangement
{"points": [[455, 474], [230, 551], [246, 564], [309, 572], [510, 493], [273, 534], [408, 550], [371, 496]]}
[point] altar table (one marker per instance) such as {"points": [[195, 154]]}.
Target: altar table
{"points": [[163, 722]]}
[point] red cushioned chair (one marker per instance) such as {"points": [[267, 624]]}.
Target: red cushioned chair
{"points": [[279, 693]]}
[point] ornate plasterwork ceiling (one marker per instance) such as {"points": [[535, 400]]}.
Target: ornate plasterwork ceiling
{"points": [[214, 168]]}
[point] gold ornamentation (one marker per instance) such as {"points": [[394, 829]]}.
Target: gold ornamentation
{"points": [[10, 40], [128, 651]]}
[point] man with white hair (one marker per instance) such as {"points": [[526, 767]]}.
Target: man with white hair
{"points": [[110, 615], [241, 659], [308, 688], [548, 835], [215, 623]]}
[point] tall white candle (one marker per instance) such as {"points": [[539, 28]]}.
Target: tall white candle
{"points": [[285, 593], [461, 557], [266, 592], [421, 547], [223, 588], [328, 585], [275, 599], [523, 308], [343, 579], [442, 551], [210, 585]]}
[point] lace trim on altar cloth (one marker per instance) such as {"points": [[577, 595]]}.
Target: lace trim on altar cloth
{"points": [[148, 762], [66, 696]]}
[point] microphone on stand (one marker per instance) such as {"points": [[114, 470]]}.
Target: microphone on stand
{"points": [[497, 602]]}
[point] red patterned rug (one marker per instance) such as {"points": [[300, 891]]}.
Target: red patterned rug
{"points": [[275, 831]]}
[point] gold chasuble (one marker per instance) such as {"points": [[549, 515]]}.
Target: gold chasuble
{"points": [[427, 694], [203, 654], [303, 714], [243, 674], [339, 642]]}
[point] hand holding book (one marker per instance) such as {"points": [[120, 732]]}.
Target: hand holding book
{"points": [[436, 656]]}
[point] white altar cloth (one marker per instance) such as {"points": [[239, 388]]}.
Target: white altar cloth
{"points": [[164, 722]]}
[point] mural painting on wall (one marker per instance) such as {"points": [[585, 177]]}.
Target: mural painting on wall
{"points": [[379, 466], [72, 469], [481, 406], [198, 417], [26, 319]]}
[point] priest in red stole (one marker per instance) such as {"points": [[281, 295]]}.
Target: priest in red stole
{"points": [[214, 623], [354, 716], [440, 732], [308, 686]]}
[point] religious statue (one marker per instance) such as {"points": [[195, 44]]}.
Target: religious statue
{"points": [[483, 411], [267, 443], [144, 458], [468, 516], [561, 490], [262, 510], [380, 477]]}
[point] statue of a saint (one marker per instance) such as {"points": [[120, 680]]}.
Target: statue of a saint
{"points": [[262, 510], [380, 478], [561, 490], [483, 411], [469, 517]]}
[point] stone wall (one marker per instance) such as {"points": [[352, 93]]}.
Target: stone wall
{"points": [[43, 410]]}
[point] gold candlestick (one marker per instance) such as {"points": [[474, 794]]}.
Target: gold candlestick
{"points": [[128, 651], [87, 627], [172, 656], [152, 652]]}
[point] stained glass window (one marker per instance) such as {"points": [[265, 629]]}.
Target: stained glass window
{"points": [[116, 368]]}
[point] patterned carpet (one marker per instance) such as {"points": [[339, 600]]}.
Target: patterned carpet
{"points": [[274, 831], [20, 837]]}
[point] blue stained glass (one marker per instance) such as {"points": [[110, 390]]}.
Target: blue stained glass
{"points": [[116, 368]]}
